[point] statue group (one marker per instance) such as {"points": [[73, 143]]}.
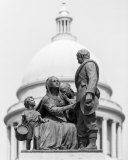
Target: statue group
{"points": [[62, 121]]}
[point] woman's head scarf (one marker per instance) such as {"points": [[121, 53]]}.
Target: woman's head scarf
{"points": [[48, 84]]}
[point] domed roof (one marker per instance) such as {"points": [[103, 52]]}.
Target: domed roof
{"points": [[59, 57], [56, 59]]}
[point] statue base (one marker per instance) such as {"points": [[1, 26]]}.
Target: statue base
{"points": [[61, 155]]}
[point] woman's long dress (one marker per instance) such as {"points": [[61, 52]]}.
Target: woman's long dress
{"points": [[57, 132]]}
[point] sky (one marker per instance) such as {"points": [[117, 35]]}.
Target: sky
{"points": [[27, 26]]}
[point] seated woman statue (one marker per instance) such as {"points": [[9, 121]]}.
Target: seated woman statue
{"points": [[57, 133]]}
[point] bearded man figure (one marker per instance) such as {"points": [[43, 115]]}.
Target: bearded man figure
{"points": [[86, 79]]}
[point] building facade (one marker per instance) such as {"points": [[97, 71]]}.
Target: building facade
{"points": [[59, 59]]}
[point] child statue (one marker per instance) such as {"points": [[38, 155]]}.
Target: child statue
{"points": [[31, 118]]}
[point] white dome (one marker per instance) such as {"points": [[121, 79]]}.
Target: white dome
{"points": [[56, 59]]}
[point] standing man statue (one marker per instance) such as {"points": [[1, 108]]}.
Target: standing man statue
{"points": [[86, 80]]}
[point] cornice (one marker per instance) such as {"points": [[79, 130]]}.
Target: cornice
{"points": [[12, 114], [105, 108], [71, 79]]}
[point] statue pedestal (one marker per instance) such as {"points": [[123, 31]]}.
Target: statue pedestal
{"points": [[62, 155]]}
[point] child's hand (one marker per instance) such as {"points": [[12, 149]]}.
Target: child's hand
{"points": [[44, 120], [15, 127]]}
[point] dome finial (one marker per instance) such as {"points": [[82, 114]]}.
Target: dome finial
{"points": [[64, 10], [63, 3]]}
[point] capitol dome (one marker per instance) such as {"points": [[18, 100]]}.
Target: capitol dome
{"points": [[58, 59]]}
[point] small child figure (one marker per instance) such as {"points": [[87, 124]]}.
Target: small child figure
{"points": [[67, 93], [31, 119], [68, 96]]}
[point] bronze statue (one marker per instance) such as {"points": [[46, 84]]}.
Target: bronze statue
{"points": [[86, 80], [58, 132], [65, 88], [31, 119], [68, 95]]}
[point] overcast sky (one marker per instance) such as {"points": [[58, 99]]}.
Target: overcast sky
{"points": [[28, 25]]}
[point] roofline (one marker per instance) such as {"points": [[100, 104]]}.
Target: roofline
{"points": [[106, 86], [11, 114], [63, 80], [106, 108], [42, 82], [101, 107], [64, 17]]}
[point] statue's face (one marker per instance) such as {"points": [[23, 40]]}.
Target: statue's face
{"points": [[65, 88], [55, 83], [80, 59], [31, 102]]}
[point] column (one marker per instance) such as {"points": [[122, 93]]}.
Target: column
{"points": [[24, 145], [13, 144], [20, 146], [61, 27], [8, 144], [113, 139], [104, 135], [17, 150], [119, 142], [64, 26], [68, 27], [98, 140], [57, 26]]}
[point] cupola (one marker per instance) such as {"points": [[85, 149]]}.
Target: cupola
{"points": [[63, 22]]}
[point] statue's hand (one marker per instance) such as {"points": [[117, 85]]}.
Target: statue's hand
{"points": [[73, 106], [15, 127], [44, 121], [65, 96], [72, 101], [89, 98]]}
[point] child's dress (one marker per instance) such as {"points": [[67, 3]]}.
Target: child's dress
{"points": [[31, 121]]}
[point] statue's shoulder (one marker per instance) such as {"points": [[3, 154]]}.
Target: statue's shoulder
{"points": [[42, 102], [83, 65], [90, 61], [44, 99]]}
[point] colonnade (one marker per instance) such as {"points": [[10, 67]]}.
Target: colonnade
{"points": [[14, 147], [63, 26], [116, 138]]}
